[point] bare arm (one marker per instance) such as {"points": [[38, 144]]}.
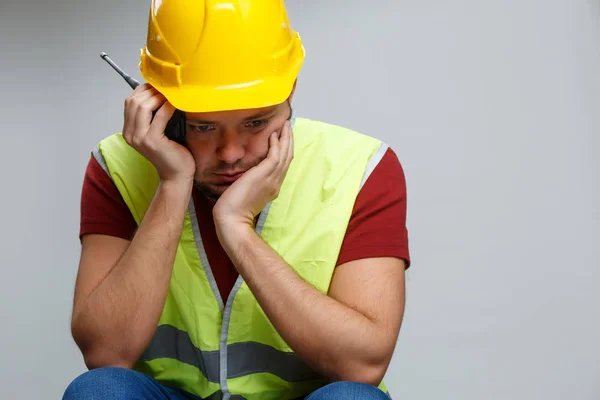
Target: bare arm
{"points": [[348, 335], [121, 287]]}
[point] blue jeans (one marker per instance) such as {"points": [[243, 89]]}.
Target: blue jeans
{"points": [[125, 384]]}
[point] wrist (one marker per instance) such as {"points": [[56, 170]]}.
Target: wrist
{"points": [[178, 186], [228, 221], [233, 233]]}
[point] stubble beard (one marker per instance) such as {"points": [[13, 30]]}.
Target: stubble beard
{"points": [[207, 191]]}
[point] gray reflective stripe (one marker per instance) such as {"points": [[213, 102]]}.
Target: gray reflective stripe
{"points": [[202, 254], [219, 396], [373, 162], [170, 342], [100, 158], [243, 358], [260, 224], [215, 396], [223, 342], [227, 315], [251, 357]]}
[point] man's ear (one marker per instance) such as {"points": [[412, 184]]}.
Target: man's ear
{"points": [[293, 91]]}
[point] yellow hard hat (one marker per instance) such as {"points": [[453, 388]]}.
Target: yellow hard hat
{"points": [[216, 55]]}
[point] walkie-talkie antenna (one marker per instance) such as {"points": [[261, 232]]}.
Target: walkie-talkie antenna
{"points": [[131, 81]]}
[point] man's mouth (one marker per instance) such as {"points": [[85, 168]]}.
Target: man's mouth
{"points": [[229, 177]]}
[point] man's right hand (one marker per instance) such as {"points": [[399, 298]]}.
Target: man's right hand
{"points": [[173, 162], [115, 313]]}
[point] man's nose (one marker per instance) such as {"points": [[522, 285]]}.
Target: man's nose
{"points": [[231, 147]]}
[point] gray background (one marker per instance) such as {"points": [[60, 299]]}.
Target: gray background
{"points": [[493, 108]]}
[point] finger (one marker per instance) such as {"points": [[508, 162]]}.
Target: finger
{"points": [[274, 153], [132, 104], [160, 121], [291, 145], [289, 152], [142, 88], [145, 108], [145, 89], [144, 119], [283, 145]]}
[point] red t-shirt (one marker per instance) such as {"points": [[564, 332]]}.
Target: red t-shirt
{"points": [[377, 227]]}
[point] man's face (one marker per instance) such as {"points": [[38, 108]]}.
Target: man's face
{"points": [[225, 144]]}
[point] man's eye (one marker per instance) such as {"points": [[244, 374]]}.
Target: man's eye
{"points": [[202, 128], [257, 123]]}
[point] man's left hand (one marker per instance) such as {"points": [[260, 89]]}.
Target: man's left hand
{"points": [[247, 196]]}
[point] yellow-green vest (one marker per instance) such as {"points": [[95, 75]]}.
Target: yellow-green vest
{"points": [[227, 348]]}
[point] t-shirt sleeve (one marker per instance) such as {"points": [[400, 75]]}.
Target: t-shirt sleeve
{"points": [[377, 226], [103, 210]]}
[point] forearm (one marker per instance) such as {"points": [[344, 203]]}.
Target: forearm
{"points": [[334, 339], [117, 320]]}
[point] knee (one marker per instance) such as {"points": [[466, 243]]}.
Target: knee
{"points": [[348, 391], [104, 383]]}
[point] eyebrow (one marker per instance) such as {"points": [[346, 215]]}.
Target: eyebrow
{"points": [[263, 114]]}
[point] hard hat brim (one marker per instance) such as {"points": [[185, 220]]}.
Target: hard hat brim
{"points": [[257, 94]]}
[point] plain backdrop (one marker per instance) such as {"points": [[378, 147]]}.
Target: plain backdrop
{"points": [[493, 108]]}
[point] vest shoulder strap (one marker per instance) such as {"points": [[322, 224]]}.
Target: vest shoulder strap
{"points": [[135, 177]]}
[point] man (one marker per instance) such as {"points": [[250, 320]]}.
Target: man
{"points": [[261, 257]]}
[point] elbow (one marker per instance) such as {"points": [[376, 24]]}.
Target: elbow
{"points": [[368, 367], [371, 374], [370, 371], [104, 359], [98, 355]]}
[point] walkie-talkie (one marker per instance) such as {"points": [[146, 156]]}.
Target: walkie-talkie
{"points": [[176, 128]]}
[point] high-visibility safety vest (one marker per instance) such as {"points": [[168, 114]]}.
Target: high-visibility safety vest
{"points": [[227, 348]]}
